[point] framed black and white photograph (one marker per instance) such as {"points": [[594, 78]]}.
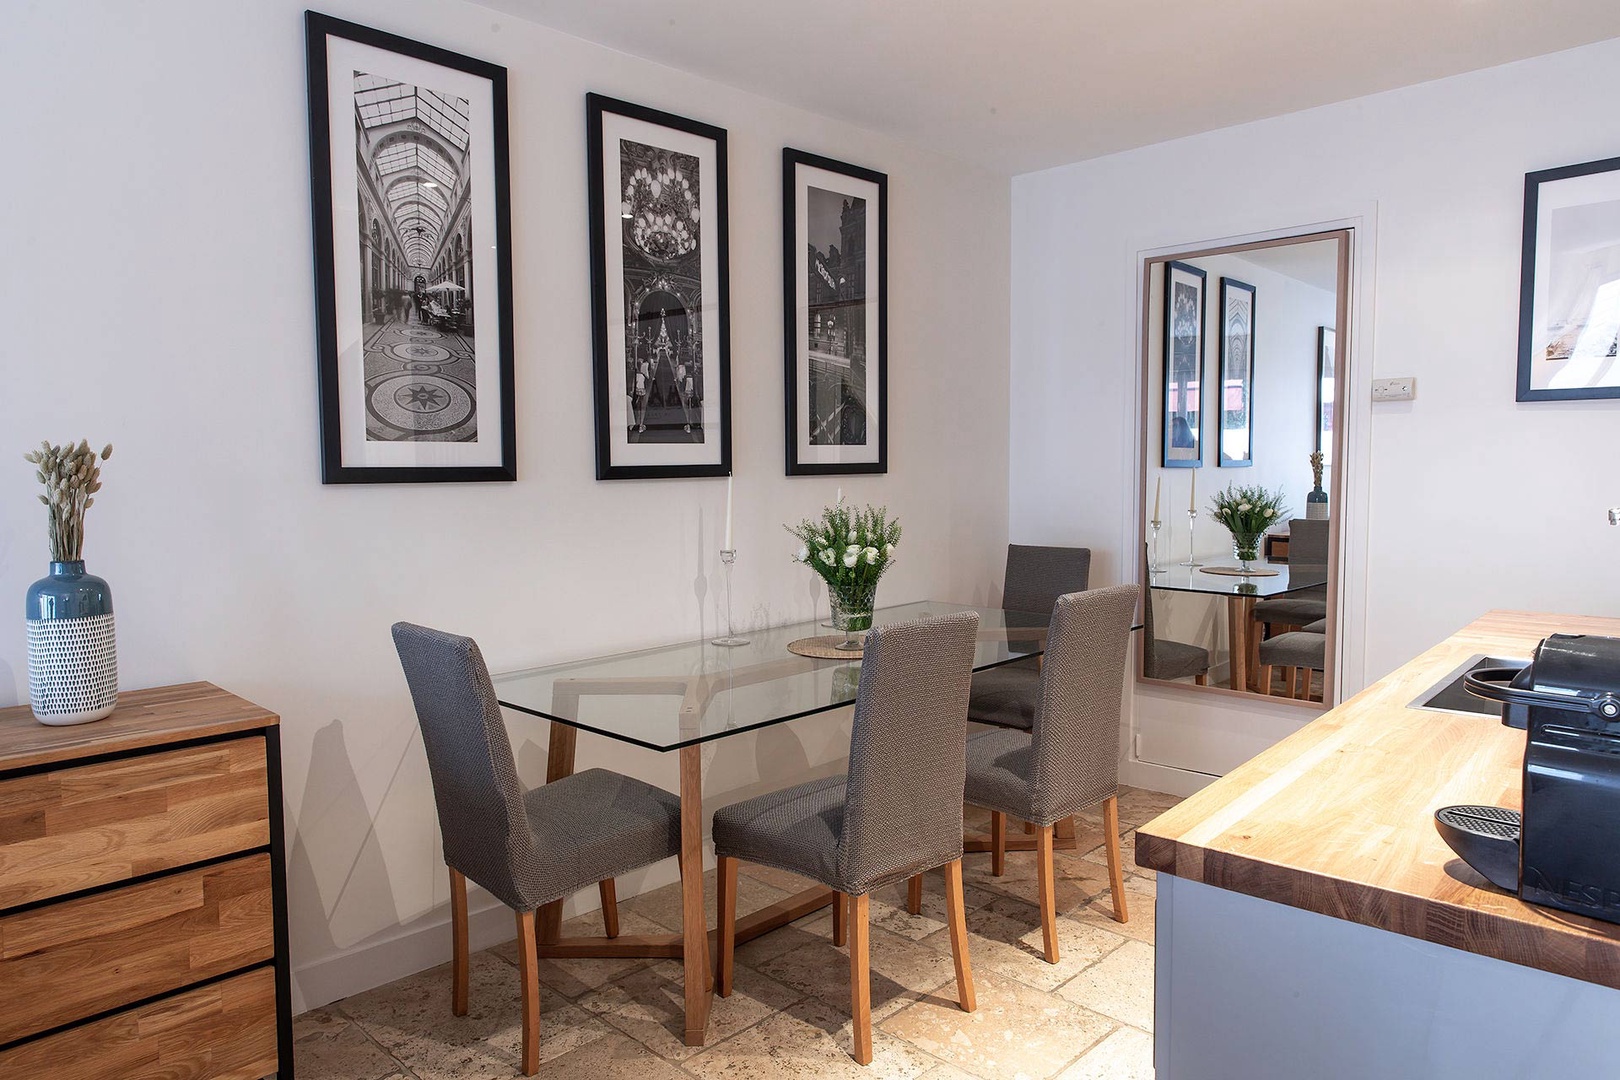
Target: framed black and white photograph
{"points": [[412, 223], [835, 303], [1183, 366], [1237, 374], [659, 292], [1569, 288], [1326, 376]]}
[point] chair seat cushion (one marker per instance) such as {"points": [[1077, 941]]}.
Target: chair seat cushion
{"points": [[1293, 610], [1000, 768], [1177, 660], [1317, 627], [795, 829], [595, 825], [1295, 649], [1006, 696]]}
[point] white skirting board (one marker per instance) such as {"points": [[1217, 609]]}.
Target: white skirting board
{"points": [[1246, 989]]}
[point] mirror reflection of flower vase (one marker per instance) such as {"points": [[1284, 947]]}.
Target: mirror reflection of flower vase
{"points": [[1246, 549], [72, 652]]}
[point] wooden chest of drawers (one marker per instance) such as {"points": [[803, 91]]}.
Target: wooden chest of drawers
{"points": [[143, 918]]}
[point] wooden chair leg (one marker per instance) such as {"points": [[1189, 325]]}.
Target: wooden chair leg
{"points": [[914, 894], [1116, 872], [1064, 828], [610, 908], [1046, 873], [1029, 828], [458, 944], [998, 843], [1202, 678], [860, 976], [529, 973], [956, 916], [1265, 679], [840, 919], [725, 877]]}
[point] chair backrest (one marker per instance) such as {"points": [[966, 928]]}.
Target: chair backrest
{"points": [[1307, 542], [1037, 576], [1082, 682], [908, 750], [1149, 642], [486, 831]]}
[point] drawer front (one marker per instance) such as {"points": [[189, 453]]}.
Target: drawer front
{"points": [[63, 962], [77, 827], [226, 1031]]}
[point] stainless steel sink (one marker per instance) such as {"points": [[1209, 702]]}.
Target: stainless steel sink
{"points": [[1448, 695]]}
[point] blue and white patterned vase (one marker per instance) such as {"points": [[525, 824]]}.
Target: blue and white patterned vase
{"points": [[72, 654]]}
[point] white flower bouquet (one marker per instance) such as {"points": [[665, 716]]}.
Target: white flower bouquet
{"points": [[851, 549]]}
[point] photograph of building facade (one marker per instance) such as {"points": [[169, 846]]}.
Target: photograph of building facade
{"points": [[837, 318], [416, 279]]}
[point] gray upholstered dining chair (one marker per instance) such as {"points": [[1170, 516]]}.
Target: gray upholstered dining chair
{"points": [[1069, 761], [525, 847], [1166, 659], [1307, 550], [1036, 576], [1298, 653], [898, 812]]}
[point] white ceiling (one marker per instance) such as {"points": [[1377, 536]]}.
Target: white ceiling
{"points": [[1315, 263], [1018, 85]]}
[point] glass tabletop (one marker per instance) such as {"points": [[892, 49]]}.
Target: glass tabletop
{"points": [[672, 696], [1287, 579]]}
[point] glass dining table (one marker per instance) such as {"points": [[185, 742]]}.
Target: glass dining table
{"points": [[678, 697], [1241, 592]]}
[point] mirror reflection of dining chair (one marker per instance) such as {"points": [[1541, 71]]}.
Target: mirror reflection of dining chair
{"points": [[1006, 696], [1299, 653], [1307, 553], [1166, 659]]}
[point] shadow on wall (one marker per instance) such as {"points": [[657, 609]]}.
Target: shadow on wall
{"points": [[335, 829], [12, 692]]}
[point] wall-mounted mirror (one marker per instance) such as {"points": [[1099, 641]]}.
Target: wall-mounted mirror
{"points": [[1243, 352]]}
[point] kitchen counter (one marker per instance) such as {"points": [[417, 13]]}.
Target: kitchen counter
{"points": [[1337, 821]]}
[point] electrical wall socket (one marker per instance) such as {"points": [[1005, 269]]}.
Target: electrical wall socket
{"points": [[1402, 389]]}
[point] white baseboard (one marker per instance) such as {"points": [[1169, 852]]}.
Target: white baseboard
{"points": [[1165, 778]]}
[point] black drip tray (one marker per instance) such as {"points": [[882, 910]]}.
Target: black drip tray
{"points": [[1449, 695]]}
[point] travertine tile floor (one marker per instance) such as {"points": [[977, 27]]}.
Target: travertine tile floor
{"points": [[1086, 1018]]}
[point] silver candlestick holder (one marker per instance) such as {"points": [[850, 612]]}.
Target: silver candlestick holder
{"points": [[1153, 548], [728, 556], [1191, 560]]}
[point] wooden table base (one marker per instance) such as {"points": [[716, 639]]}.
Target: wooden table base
{"points": [[671, 947]]}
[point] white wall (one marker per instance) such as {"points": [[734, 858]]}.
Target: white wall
{"points": [[1473, 501], [158, 276]]}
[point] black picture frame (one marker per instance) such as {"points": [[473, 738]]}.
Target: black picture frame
{"points": [[1550, 368], [451, 196], [1181, 406], [830, 322], [1327, 368], [691, 267], [1236, 351]]}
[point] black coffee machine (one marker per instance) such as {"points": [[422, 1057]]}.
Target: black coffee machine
{"points": [[1563, 850]]}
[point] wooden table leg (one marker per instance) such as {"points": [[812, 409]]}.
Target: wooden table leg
{"points": [[559, 763], [1239, 609], [694, 919]]}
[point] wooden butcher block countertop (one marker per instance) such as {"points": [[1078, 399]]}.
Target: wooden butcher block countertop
{"points": [[1338, 818]]}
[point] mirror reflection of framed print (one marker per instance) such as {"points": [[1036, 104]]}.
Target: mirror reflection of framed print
{"points": [[1183, 345], [1569, 287], [1325, 375], [1237, 374]]}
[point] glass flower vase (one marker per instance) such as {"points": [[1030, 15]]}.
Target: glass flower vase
{"points": [[852, 612], [1246, 549]]}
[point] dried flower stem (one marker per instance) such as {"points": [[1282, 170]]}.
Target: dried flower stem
{"points": [[71, 476]]}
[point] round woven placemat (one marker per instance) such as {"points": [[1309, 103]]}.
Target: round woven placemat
{"points": [[823, 648], [1234, 571]]}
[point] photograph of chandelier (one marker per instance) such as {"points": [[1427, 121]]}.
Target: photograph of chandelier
{"points": [[658, 205]]}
